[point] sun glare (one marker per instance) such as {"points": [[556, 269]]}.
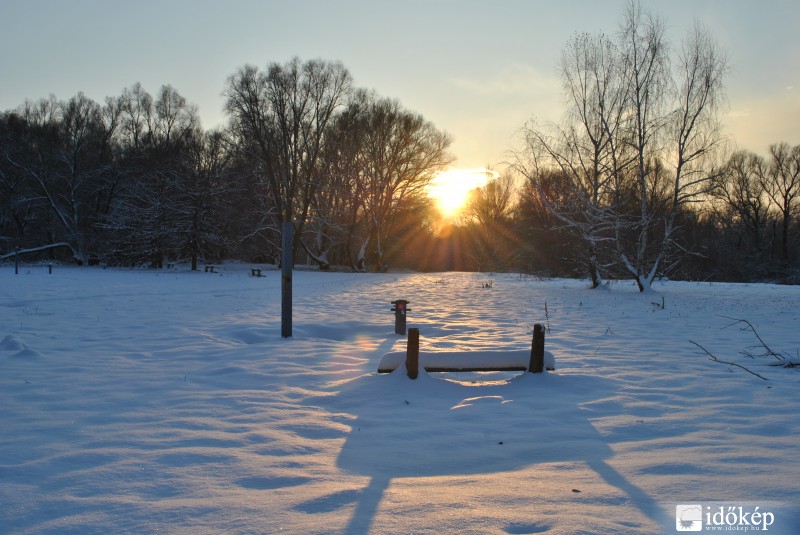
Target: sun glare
{"points": [[450, 189]]}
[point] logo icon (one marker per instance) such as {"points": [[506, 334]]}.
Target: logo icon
{"points": [[689, 517]]}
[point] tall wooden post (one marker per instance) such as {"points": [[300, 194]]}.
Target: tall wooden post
{"points": [[412, 353], [287, 261], [537, 350]]}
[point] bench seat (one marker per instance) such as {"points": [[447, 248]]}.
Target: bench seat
{"points": [[466, 361]]}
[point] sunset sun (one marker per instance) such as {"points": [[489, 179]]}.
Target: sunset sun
{"points": [[450, 189]]}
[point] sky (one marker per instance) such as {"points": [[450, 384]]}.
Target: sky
{"points": [[478, 70]]}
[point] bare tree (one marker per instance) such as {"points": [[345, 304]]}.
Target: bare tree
{"points": [[644, 56], [64, 150], [21, 212], [637, 146], [337, 207], [740, 190], [782, 184], [549, 246], [585, 150], [280, 117], [402, 153], [137, 105], [202, 194], [147, 221], [676, 127], [490, 210]]}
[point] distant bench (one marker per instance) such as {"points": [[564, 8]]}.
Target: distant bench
{"points": [[534, 360]]}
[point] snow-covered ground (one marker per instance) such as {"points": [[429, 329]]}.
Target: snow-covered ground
{"points": [[137, 401]]}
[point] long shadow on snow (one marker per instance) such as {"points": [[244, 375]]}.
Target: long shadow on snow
{"points": [[435, 427]]}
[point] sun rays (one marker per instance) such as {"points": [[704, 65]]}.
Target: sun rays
{"points": [[450, 189]]}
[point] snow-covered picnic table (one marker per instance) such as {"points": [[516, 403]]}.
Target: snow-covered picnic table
{"points": [[467, 361]]}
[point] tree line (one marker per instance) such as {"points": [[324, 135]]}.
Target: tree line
{"points": [[637, 181], [637, 174], [135, 180]]}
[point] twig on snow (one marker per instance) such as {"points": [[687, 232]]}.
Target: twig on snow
{"points": [[767, 350], [715, 359]]}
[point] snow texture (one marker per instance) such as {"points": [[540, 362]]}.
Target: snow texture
{"points": [[137, 401]]}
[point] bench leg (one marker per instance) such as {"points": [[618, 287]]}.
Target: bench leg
{"points": [[412, 353], [537, 350]]}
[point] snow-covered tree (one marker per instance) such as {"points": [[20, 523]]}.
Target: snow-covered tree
{"points": [[63, 151], [203, 197], [586, 150], [672, 132], [146, 220], [639, 145]]}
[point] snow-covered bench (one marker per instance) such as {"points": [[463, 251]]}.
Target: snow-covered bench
{"points": [[534, 360]]}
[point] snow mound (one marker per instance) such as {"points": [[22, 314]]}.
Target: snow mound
{"points": [[27, 353], [11, 343]]}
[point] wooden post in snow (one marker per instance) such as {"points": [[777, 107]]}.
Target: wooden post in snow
{"points": [[400, 309], [537, 350], [412, 353], [287, 235]]}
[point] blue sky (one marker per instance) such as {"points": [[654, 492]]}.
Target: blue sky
{"points": [[477, 69]]}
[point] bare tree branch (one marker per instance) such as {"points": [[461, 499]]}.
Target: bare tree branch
{"points": [[768, 351], [715, 359]]}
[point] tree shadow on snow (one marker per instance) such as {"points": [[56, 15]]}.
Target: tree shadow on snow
{"points": [[437, 427]]}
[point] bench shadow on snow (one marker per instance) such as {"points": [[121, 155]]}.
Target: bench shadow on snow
{"points": [[441, 427]]}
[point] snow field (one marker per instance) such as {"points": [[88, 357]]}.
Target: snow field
{"points": [[143, 402]]}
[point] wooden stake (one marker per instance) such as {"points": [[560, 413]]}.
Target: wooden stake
{"points": [[537, 350], [412, 353], [287, 236], [400, 309]]}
